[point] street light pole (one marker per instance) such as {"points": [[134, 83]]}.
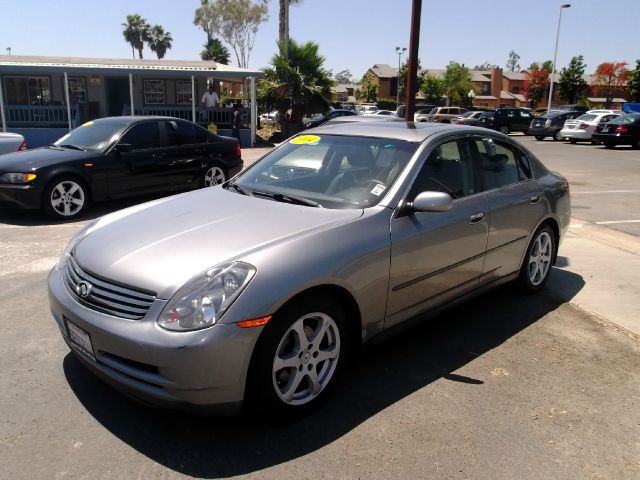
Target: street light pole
{"points": [[471, 95], [399, 51], [555, 55]]}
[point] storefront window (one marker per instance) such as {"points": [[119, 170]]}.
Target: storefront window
{"points": [[183, 93], [27, 90], [154, 93]]}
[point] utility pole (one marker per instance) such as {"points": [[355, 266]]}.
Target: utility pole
{"points": [[412, 75]]}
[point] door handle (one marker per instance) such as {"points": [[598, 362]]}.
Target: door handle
{"points": [[477, 218], [534, 198], [158, 155]]}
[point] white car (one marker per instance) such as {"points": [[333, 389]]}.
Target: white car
{"points": [[269, 118], [581, 129], [367, 109], [387, 113], [12, 142]]}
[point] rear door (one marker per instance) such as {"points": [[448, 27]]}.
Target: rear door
{"points": [[436, 256], [187, 152], [515, 200]]}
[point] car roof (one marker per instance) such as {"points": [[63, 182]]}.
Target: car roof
{"points": [[397, 130]]}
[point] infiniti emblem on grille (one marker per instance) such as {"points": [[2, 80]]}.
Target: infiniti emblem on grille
{"points": [[83, 289]]}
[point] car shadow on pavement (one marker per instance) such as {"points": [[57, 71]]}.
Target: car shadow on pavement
{"points": [[385, 373]]}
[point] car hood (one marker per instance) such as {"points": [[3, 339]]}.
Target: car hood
{"points": [[39, 157], [159, 246]]}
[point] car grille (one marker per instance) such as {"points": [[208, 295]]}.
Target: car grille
{"points": [[104, 296]]}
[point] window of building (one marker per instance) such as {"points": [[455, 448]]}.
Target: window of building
{"points": [[27, 90], [183, 93], [77, 90], [154, 92]]}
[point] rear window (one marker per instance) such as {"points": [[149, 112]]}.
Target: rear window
{"points": [[433, 110], [587, 117], [626, 119]]}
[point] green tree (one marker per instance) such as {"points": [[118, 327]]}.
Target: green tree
{"points": [[634, 82], [300, 84], [404, 73], [548, 66], [537, 84], [235, 21], [512, 62], [571, 84], [367, 88], [485, 66], [216, 51], [343, 76], [457, 83], [609, 77], [135, 32], [433, 88], [159, 41]]}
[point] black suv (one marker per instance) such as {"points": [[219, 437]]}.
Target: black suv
{"points": [[506, 119], [550, 124]]}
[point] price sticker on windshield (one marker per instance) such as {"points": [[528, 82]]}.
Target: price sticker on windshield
{"points": [[378, 189], [86, 124], [305, 140]]}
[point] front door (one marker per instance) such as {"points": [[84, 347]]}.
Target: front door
{"points": [[436, 256], [117, 95]]}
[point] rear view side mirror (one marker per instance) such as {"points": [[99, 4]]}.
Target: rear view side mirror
{"points": [[432, 202]]}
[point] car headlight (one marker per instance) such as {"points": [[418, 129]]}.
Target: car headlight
{"points": [[205, 298], [80, 234], [17, 178]]}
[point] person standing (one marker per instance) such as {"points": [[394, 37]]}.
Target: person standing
{"points": [[210, 99]]}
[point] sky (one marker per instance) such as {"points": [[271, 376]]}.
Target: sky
{"points": [[352, 34]]}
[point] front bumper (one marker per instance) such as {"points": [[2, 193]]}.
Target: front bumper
{"points": [[204, 370], [23, 196]]}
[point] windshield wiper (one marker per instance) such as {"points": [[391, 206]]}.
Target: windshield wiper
{"points": [[286, 198], [238, 189], [72, 147]]}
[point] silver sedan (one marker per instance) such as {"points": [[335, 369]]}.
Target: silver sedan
{"points": [[258, 291]]}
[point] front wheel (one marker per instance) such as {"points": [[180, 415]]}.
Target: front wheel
{"points": [[504, 129], [539, 137], [609, 145], [214, 175], [299, 355], [65, 198], [538, 260]]}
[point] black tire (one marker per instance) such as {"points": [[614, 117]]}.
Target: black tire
{"points": [[215, 174], [609, 145], [541, 252], [636, 144], [573, 141], [539, 137], [504, 129], [267, 385], [65, 198]]}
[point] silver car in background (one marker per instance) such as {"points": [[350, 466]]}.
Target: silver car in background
{"points": [[12, 142], [257, 292], [581, 129]]}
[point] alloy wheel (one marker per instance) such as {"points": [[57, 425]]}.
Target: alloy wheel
{"points": [[306, 358], [540, 258], [67, 198], [214, 176]]}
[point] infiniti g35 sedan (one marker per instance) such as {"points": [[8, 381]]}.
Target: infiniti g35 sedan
{"points": [[333, 237], [113, 158]]}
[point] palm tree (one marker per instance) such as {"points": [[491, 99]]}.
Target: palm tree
{"points": [[216, 51], [135, 32], [284, 20], [299, 83], [159, 41]]}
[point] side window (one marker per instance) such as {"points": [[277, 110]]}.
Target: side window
{"points": [[143, 136], [524, 114], [447, 169], [507, 166]]}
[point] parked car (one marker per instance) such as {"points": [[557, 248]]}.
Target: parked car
{"points": [[269, 118], [550, 124], [624, 130], [12, 142], [581, 129], [422, 114], [401, 110], [116, 157], [366, 109], [331, 114], [383, 112], [183, 304], [507, 120], [471, 118], [445, 114]]}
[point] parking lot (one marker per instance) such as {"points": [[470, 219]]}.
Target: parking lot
{"points": [[506, 386]]}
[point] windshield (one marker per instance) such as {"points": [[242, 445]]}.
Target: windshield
{"points": [[92, 135], [329, 171]]}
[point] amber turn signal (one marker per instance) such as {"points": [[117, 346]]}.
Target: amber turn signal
{"points": [[256, 322]]}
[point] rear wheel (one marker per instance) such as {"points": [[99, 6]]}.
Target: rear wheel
{"points": [[609, 145], [65, 197], [299, 356], [214, 175], [536, 267], [504, 129], [539, 137], [573, 141], [557, 136]]}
